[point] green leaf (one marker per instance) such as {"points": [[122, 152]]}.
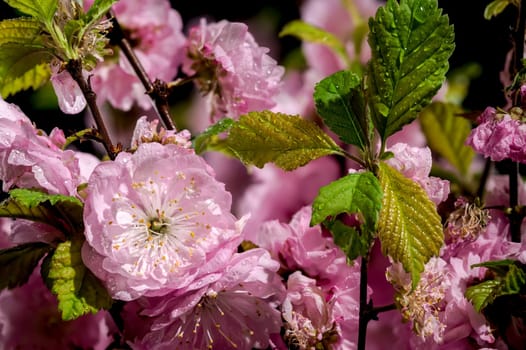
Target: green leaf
{"points": [[62, 212], [18, 263], [482, 294], [98, 10], [446, 134], [22, 67], [21, 31], [309, 33], [509, 278], [351, 242], [411, 43], [42, 10], [209, 139], [340, 102], [353, 193], [288, 141], [409, 227], [78, 291], [496, 7]]}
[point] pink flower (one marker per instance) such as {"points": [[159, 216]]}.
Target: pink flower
{"points": [[165, 224], [334, 17], [307, 314], [301, 247], [279, 194], [31, 159], [155, 30], [5, 228], [238, 311], [29, 319], [415, 164], [147, 131], [237, 74], [500, 136], [70, 97], [422, 306]]}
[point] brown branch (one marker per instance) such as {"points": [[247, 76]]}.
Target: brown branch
{"points": [[157, 90]]}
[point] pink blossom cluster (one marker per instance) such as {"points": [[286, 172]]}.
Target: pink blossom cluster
{"points": [[500, 136], [229, 66]]}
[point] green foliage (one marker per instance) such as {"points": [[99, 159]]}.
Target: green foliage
{"points": [[351, 242], [22, 31], [496, 7], [78, 291], [409, 227], [62, 212], [97, 11], [340, 102], [287, 141], [209, 139], [307, 32], [42, 10], [509, 277], [411, 43], [354, 193], [357, 193], [446, 134], [22, 67], [18, 263]]}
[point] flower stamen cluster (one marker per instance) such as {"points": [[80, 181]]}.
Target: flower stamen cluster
{"points": [[422, 305], [466, 222]]}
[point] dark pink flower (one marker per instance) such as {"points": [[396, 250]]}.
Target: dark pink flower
{"points": [[238, 311], [237, 74], [278, 194], [500, 135]]}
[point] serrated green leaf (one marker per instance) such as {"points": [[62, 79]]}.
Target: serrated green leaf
{"points": [[62, 212], [353, 193], [208, 139], [285, 140], [496, 7], [42, 10], [409, 227], [340, 102], [310, 33], [22, 67], [78, 291], [350, 241], [18, 263], [446, 134], [21, 31], [482, 294], [411, 43]]}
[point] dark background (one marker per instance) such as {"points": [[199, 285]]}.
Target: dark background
{"points": [[477, 40]]}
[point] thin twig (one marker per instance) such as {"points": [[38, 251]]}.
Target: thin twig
{"points": [[74, 68], [157, 90], [365, 307]]}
